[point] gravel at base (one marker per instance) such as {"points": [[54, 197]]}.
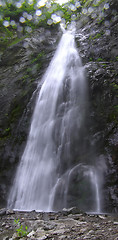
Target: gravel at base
{"points": [[68, 224]]}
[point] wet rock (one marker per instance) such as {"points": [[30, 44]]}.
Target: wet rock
{"points": [[3, 224], [73, 210], [115, 223], [31, 234], [78, 226], [6, 238], [3, 211], [97, 51], [10, 212]]}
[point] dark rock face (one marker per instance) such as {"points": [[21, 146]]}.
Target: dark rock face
{"points": [[98, 49], [21, 69]]}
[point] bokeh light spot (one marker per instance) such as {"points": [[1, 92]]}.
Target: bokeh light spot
{"points": [[107, 23], [106, 6], [84, 11], [38, 12], [41, 3], [25, 14], [20, 29], [72, 7], [22, 19], [18, 5], [49, 22], [12, 23], [29, 17], [73, 17], [30, 2], [107, 32], [77, 4], [28, 29], [90, 10], [6, 23], [55, 18]]}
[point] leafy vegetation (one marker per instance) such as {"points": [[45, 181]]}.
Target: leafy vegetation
{"points": [[24, 16], [21, 231], [20, 18]]}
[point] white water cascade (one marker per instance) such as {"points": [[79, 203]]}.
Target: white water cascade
{"points": [[57, 139]]}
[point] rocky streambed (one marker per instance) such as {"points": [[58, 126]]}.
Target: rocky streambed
{"points": [[67, 224]]}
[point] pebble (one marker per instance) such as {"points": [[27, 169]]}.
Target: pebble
{"points": [[80, 223], [7, 226], [30, 234], [6, 238], [82, 230], [9, 211], [2, 211], [3, 224], [59, 231], [42, 238], [115, 223], [101, 216]]}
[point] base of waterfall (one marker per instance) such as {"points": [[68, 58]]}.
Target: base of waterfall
{"points": [[66, 224]]}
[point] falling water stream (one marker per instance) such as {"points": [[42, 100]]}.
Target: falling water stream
{"points": [[54, 168]]}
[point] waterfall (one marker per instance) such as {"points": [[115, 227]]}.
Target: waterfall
{"points": [[53, 170]]}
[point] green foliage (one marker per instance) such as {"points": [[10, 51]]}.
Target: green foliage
{"points": [[115, 86], [38, 57], [21, 231], [6, 133], [15, 112], [117, 58], [7, 129], [113, 116], [11, 23], [116, 108], [16, 40], [98, 35], [100, 60]]}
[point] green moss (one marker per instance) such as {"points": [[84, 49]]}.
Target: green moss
{"points": [[98, 35], [24, 78], [104, 65], [100, 21], [16, 40], [100, 60], [29, 70], [5, 134], [113, 116], [115, 86], [117, 58], [116, 108], [38, 57], [15, 113]]}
